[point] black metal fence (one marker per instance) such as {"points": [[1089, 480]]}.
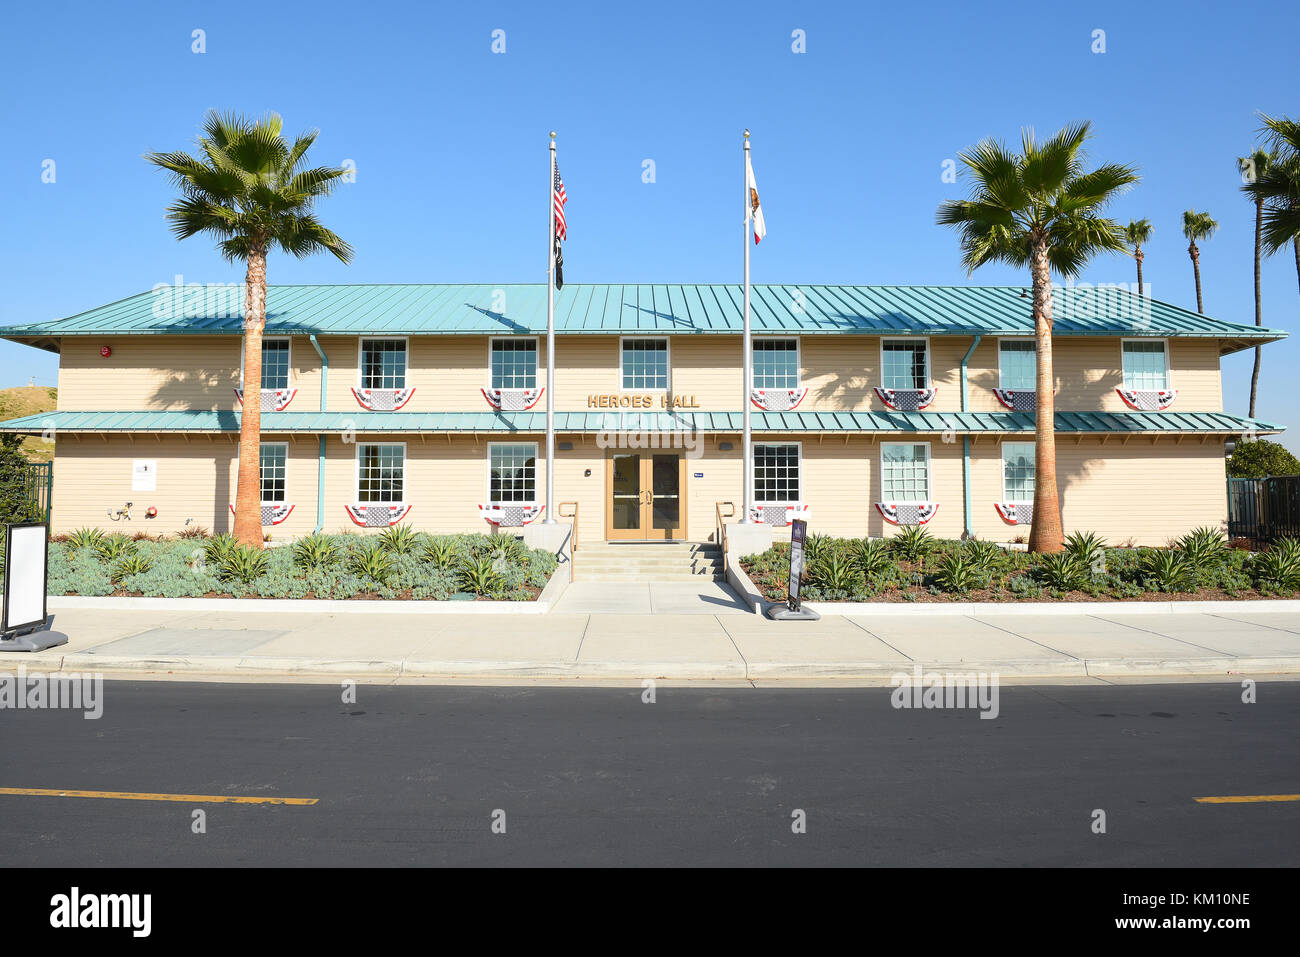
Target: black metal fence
{"points": [[1264, 509]]}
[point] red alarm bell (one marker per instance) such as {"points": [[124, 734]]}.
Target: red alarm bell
{"points": [[105, 351], [151, 512]]}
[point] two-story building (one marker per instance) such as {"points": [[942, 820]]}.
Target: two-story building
{"points": [[872, 407]]}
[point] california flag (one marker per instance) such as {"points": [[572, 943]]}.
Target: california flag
{"points": [[760, 228]]}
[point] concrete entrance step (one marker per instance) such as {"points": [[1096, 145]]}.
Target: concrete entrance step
{"points": [[648, 561]]}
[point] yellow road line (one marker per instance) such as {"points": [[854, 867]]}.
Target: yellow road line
{"points": [[1248, 798], [146, 796]]}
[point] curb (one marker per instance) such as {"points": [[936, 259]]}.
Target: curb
{"points": [[925, 609], [366, 606]]}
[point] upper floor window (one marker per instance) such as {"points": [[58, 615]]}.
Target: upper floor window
{"points": [[383, 363], [1017, 365], [776, 364], [381, 472], [1146, 364], [645, 364], [512, 473], [274, 463], [275, 363], [514, 363], [776, 473], [905, 472], [1018, 471], [905, 364]]}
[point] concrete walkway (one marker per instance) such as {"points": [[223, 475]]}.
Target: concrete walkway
{"points": [[591, 640]]}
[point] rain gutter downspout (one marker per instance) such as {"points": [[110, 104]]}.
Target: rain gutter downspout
{"points": [[320, 465], [965, 457]]}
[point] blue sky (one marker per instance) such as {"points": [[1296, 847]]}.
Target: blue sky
{"points": [[449, 140]]}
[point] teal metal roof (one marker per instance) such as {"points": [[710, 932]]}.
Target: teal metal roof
{"points": [[729, 422], [665, 309]]}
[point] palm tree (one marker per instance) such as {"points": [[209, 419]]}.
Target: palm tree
{"points": [[1253, 167], [1137, 233], [1039, 208], [251, 189], [1197, 226], [1280, 187]]}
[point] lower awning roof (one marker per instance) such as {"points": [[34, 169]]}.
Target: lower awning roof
{"points": [[317, 423]]}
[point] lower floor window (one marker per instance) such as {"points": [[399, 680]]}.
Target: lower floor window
{"points": [[381, 473], [513, 473], [905, 472], [776, 473], [274, 458], [1018, 471]]}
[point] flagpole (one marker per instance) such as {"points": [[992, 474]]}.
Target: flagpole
{"points": [[747, 447], [549, 518]]}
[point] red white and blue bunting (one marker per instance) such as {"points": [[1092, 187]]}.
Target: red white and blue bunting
{"points": [[779, 515], [383, 400], [273, 400], [512, 400], [272, 514], [511, 516], [377, 516], [1016, 513], [1148, 400], [777, 400], [907, 400], [1018, 400], [914, 513]]}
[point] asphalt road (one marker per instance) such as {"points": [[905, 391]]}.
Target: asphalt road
{"points": [[413, 775]]}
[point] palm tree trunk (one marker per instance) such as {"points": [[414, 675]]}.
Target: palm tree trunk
{"points": [[248, 488], [1045, 532], [1196, 271], [1259, 303], [1139, 256]]}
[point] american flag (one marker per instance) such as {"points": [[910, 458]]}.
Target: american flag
{"points": [[559, 197]]}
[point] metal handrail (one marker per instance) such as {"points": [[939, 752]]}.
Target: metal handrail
{"points": [[718, 526], [573, 537]]}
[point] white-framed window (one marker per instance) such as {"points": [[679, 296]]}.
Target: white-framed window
{"points": [[274, 461], [277, 359], [1017, 364], [905, 363], [643, 364], [1145, 363], [381, 473], [512, 473], [776, 472], [1018, 472], [776, 363], [905, 471], [383, 363], [514, 363]]}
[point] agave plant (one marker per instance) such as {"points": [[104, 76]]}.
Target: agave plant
{"points": [[85, 538], [1279, 567], [110, 548], [242, 563], [1062, 571], [440, 552], [872, 556], [316, 551], [218, 547], [834, 573], [960, 572], [1204, 547], [985, 556], [480, 577], [511, 548], [913, 543], [371, 561], [815, 546], [399, 540], [1088, 549], [132, 563], [1166, 570]]}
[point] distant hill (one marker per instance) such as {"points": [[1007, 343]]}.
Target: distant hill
{"points": [[30, 400]]}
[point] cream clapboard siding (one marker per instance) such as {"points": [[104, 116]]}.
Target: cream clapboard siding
{"points": [[169, 373]]}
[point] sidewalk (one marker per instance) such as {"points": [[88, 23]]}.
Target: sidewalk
{"points": [[716, 642]]}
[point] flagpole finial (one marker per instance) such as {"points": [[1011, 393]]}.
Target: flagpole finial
{"points": [[746, 134], [552, 134]]}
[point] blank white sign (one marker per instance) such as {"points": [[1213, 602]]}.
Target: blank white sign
{"points": [[25, 577], [144, 475]]}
